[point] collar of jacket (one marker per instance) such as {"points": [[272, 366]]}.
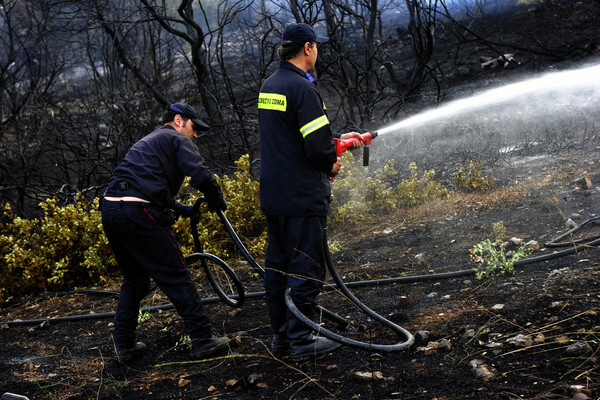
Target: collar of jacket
{"points": [[290, 66]]}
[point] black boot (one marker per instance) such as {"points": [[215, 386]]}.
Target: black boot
{"points": [[125, 351], [203, 348], [278, 314], [304, 344]]}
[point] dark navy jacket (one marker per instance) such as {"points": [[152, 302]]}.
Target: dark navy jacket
{"points": [[297, 151], [155, 166]]}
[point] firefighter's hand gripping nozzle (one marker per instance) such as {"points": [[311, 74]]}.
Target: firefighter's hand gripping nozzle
{"points": [[343, 145]]}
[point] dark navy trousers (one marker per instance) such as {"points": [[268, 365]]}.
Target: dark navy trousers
{"points": [[144, 246], [295, 257]]}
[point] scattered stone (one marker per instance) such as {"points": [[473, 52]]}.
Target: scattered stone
{"points": [[516, 241], [423, 335], [4, 326], [427, 350], [420, 259], [233, 313], [571, 224], [368, 376], [564, 339], [482, 370], [540, 338], [466, 282], [533, 245], [445, 344], [231, 382], [469, 333], [402, 301], [183, 382], [446, 297], [520, 341], [493, 345], [556, 304], [387, 231], [579, 349], [432, 294], [583, 182], [498, 307]]}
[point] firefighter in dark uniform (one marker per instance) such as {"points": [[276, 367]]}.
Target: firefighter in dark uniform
{"points": [[297, 159], [138, 210]]}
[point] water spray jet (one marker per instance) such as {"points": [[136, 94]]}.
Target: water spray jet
{"points": [[587, 78]]}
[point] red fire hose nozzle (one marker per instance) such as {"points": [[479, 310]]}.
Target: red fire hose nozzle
{"points": [[342, 145]]}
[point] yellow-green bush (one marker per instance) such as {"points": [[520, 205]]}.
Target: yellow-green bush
{"points": [[66, 246], [243, 212], [358, 196], [469, 179]]}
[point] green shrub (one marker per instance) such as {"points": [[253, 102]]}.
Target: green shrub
{"points": [[242, 194], [469, 179], [358, 196], [66, 246]]}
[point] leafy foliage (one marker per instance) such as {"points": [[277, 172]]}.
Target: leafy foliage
{"points": [[492, 257], [469, 179], [358, 196], [66, 246], [243, 212]]}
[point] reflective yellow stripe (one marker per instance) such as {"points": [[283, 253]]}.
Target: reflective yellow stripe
{"points": [[272, 101], [314, 125]]}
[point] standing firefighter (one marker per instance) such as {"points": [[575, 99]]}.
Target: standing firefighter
{"points": [[297, 159], [138, 210]]}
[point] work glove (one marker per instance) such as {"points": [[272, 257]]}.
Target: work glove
{"points": [[216, 203], [189, 212]]}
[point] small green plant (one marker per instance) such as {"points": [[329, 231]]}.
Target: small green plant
{"points": [[492, 257], [334, 246], [143, 316], [469, 179], [184, 343]]}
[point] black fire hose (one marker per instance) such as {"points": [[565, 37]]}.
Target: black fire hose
{"points": [[555, 242], [323, 311], [238, 301], [409, 338]]}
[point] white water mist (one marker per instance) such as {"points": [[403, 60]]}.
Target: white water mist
{"points": [[584, 79]]}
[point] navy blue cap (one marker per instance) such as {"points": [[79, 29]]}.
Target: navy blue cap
{"points": [[302, 33], [185, 110]]}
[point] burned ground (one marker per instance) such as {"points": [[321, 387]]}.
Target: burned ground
{"points": [[536, 333], [553, 306]]}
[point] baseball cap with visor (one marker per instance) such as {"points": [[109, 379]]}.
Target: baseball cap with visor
{"points": [[302, 33], [185, 110]]}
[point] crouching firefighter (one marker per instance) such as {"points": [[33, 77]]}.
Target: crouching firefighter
{"points": [[297, 159], [138, 210]]}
